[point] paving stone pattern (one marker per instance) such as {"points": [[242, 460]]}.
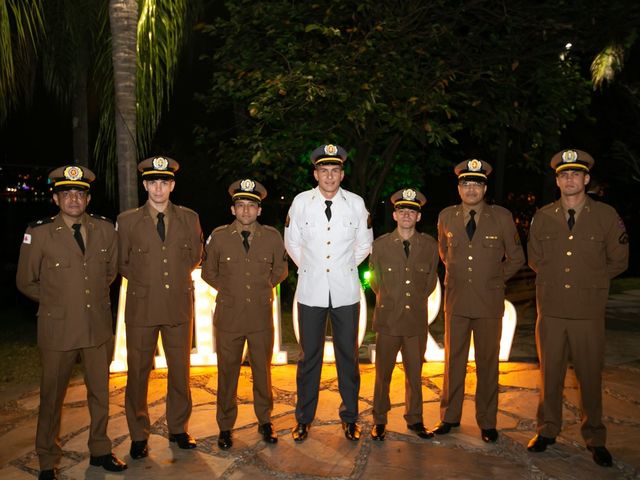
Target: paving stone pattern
{"points": [[327, 454]]}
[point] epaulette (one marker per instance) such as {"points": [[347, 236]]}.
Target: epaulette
{"points": [[100, 217], [186, 209], [221, 227], [271, 228], [548, 206], [384, 235], [41, 222], [129, 212]]}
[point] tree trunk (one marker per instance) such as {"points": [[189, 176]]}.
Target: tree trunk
{"points": [[123, 15], [79, 120]]}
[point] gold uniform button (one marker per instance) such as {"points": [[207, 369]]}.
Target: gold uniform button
{"points": [[248, 300], [87, 291], [57, 264], [406, 269], [166, 274], [569, 254], [164, 248], [389, 269], [470, 257], [470, 246], [407, 307], [567, 285], [470, 281], [164, 260], [570, 237], [86, 278], [470, 269], [228, 258], [84, 264], [88, 305], [248, 287], [567, 269], [407, 282], [407, 294], [166, 285], [248, 274]]}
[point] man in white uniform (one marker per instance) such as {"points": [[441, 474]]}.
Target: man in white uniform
{"points": [[328, 235]]}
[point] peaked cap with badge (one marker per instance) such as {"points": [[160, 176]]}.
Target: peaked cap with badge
{"points": [[247, 189], [473, 170], [158, 168], [71, 177], [408, 198], [572, 160], [328, 155]]}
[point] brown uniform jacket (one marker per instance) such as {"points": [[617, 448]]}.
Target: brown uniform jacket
{"points": [[402, 285], [72, 288], [476, 271], [574, 267], [160, 289], [244, 281]]}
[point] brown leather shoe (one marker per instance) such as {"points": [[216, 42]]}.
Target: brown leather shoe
{"points": [[139, 449], [49, 474], [225, 441], [489, 435], [420, 430]]}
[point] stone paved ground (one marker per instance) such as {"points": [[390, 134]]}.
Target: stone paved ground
{"points": [[327, 454]]}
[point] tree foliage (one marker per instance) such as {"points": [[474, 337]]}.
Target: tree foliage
{"points": [[400, 84]]}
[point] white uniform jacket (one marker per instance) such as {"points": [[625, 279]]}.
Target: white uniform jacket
{"points": [[328, 253]]}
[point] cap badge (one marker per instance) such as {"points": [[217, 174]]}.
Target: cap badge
{"points": [[160, 163], [330, 149], [247, 185], [569, 156], [474, 165], [73, 173], [409, 194]]}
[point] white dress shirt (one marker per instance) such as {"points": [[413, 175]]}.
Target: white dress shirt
{"points": [[328, 253]]}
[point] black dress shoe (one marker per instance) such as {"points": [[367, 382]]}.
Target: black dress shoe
{"points": [[351, 431], [601, 456], [267, 432], [109, 462], [51, 474], [139, 449], [444, 427], [184, 440], [301, 432], [489, 435], [378, 432], [420, 430], [539, 443], [225, 442]]}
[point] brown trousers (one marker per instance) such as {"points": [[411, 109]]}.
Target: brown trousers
{"points": [[486, 342], [229, 347], [412, 348], [583, 340], [141, 348], [56, 372]]}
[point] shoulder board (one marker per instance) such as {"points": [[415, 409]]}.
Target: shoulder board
{"points": [[384, 235], [100, 217], [221, 227], [39, 223], [129, 212], [271, 228], [548, 206], [186, 209]]}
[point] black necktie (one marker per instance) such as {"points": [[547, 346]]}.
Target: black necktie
{"points": [[245, 240], [406, 247], [327, 211], [77, 235], [572, 218], [160, 226], [471, 225]]}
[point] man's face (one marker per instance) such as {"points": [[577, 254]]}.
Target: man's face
{"points": [[572, 182], [329, 178], [159, 190], [471, 193], [246, 211], [72, 203], [406, 218]]}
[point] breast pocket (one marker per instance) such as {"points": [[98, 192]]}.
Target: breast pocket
{"points": [[548, 242], [349, 226], [309, 229], [139, 256], [593, 243]]}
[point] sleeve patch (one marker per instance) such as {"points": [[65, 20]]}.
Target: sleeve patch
{"points": [[208, 239], [26, 239], [369, 222], [287, 221], [623, 239]]}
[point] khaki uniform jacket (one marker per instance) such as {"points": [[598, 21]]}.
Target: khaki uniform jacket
{"points": [[71, 288], [476, 271], [244, 281], [574, 267], [160, 289], [402, 285]]}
